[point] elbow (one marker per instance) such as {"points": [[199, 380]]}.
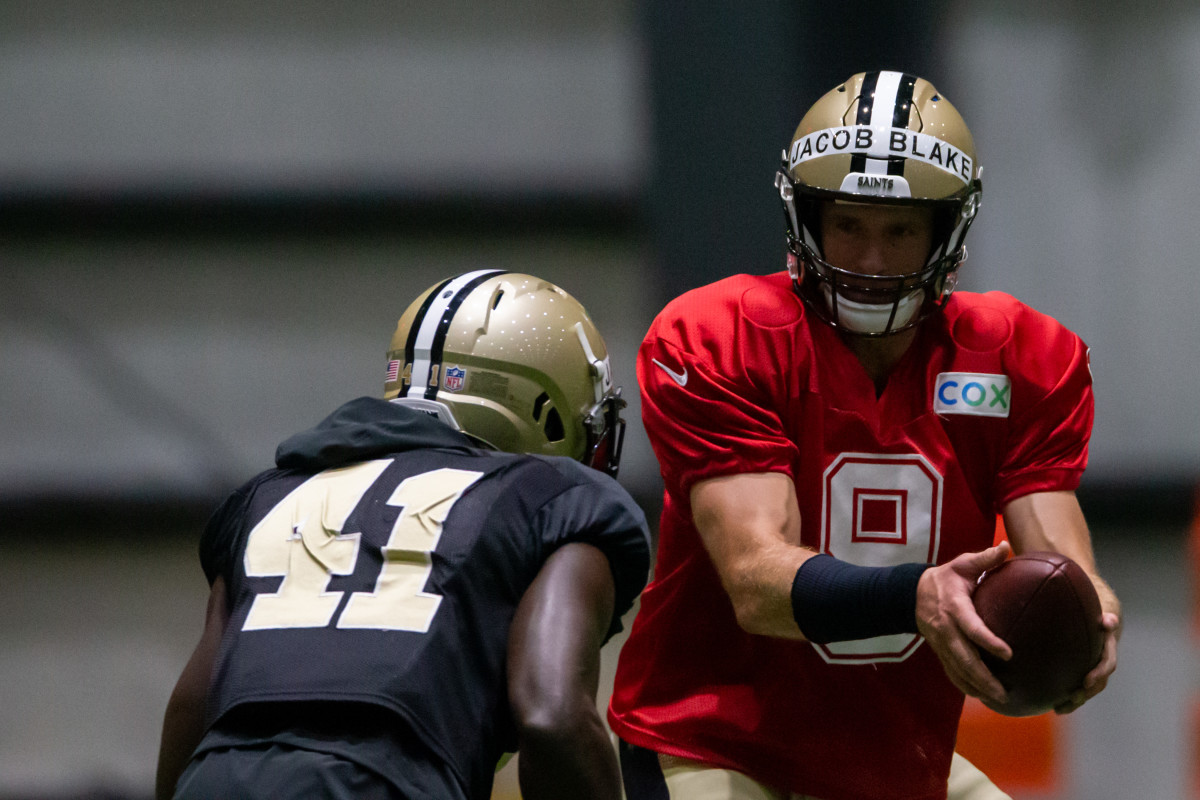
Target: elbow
{"points": [[753, 622], [565, 752], [753, 611], [554, 721], [762, 606]]}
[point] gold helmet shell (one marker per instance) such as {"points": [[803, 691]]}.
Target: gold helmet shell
{"points": [[884, 135], [880, 137], [512, 361]]}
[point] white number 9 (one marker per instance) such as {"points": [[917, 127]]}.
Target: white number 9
{"points": [[879, 511]]}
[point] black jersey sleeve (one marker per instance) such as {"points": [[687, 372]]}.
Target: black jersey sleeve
{"points": [[596, 510], [220, 534], [219, 543]]}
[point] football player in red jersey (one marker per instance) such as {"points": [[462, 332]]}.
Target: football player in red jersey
{"points": [[835, 442], [424, 582]]}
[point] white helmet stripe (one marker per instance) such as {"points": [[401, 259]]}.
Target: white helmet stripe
{"points": [[883, 111], [428, 328]]}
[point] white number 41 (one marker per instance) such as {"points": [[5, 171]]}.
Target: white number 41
{"points": [[301, 539]]}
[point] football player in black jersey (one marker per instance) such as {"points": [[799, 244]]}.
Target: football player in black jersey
{"points": [[423, 582]]}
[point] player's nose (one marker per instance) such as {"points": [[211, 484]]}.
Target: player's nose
{"points": [[870, 259]]}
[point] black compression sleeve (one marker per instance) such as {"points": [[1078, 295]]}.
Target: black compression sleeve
{"points": [[834, 601]]}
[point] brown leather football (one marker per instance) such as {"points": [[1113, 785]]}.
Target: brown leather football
{"points": [[1047, 610]]}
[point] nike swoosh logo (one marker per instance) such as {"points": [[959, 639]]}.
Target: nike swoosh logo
{"points": [[678, 377]]}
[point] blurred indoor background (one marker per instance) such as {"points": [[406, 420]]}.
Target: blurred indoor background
{"points": [[211, 216]]}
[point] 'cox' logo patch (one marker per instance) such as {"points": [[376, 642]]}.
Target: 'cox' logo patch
{"points": [[975, 393]]}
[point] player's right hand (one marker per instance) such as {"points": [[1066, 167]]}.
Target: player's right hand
{"points": [[946, 617]]}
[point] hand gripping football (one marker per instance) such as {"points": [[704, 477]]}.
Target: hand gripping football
{"points": [[1047, 610]]}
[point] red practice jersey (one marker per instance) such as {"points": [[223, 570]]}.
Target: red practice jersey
{"points": [[992, 401]]}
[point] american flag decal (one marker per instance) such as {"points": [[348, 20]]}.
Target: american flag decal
{"points": [[393, 373]]}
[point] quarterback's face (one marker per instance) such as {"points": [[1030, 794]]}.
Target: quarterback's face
{"points": [[876, 239]]}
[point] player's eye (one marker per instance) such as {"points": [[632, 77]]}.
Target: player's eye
{"points": [[846, 225]]}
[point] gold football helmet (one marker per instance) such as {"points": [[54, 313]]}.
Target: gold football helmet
{"points": [[880, 137], [512, 361]]}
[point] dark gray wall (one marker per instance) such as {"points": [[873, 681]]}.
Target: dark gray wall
{"points": [[243, 129]]}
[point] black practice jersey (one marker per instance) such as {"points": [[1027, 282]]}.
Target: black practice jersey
{"points": [[380, 566]]}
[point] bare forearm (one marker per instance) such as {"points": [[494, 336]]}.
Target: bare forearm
{"points": [[182, 727], [750, 526], [183, 722], [554, 670], [1054, 521]]}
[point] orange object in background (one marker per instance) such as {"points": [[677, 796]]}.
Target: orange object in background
{"points": [[1019, 754], [1001, 533]]}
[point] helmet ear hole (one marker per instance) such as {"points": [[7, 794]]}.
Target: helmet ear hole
{"points": [[555, 431], [537, 405], [553, 427]]}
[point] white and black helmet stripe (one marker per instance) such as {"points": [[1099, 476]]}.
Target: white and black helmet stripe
{"points": [[427, 336], [885, 101]]}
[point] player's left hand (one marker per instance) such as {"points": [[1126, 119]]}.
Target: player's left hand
{"points": [[1095, 681]]}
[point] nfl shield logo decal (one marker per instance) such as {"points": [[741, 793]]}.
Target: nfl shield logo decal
{"points": [[455, 378]]}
